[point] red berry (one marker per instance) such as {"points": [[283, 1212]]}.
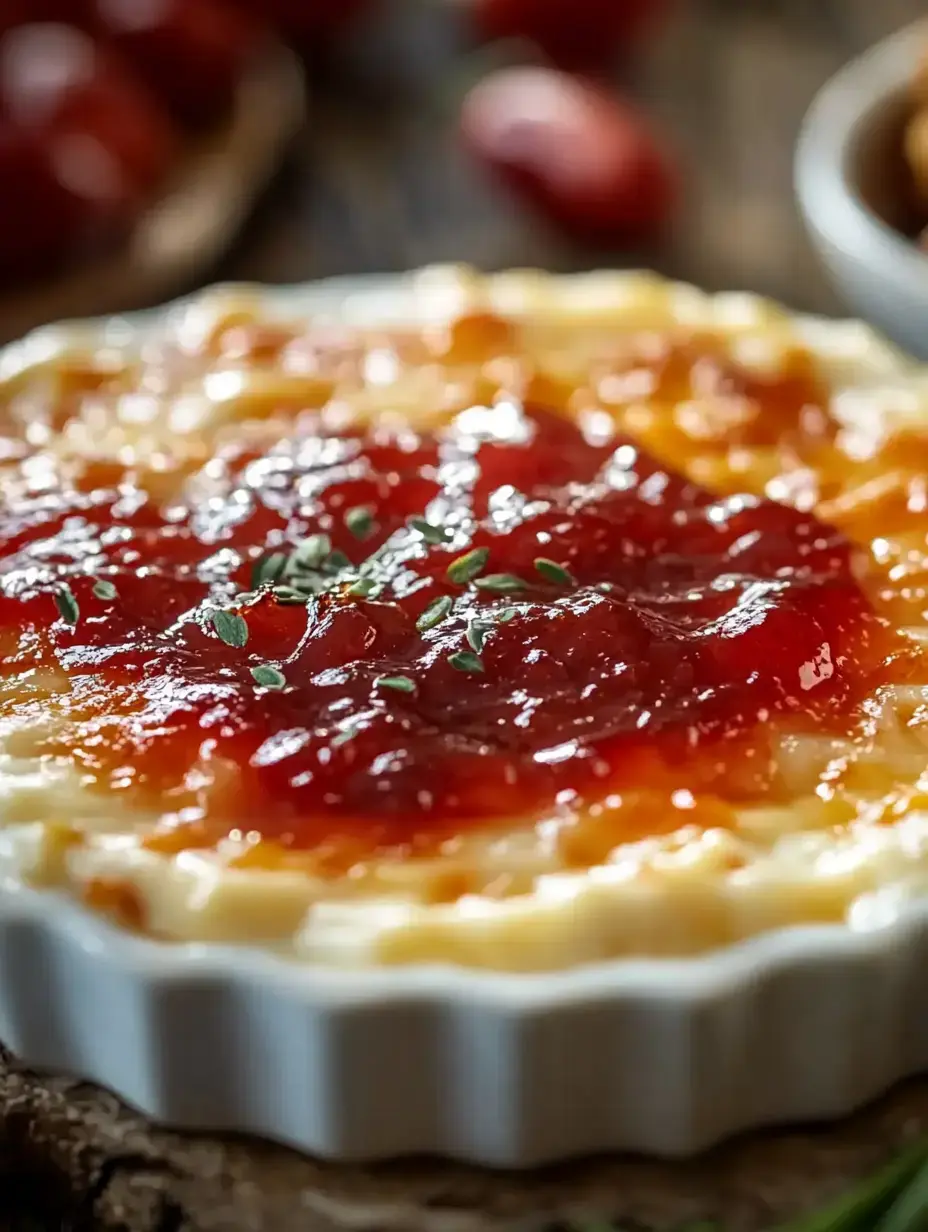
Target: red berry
{"points": [[56, 82], [22, 12], [585, 159], [82, 142], [575, 34], [191, 53], [40, 222]]}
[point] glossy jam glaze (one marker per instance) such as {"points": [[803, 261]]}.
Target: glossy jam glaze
{"points": [[611, 626]]}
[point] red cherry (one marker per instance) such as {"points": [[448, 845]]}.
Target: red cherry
{"points": [[584, 158], [55, 81], [575, 34], [40, 221], [22, 12], [190, 53], [83, 143]]}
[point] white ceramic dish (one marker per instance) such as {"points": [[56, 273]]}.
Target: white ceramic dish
{"points": [[846, 167], [664, 1057]]}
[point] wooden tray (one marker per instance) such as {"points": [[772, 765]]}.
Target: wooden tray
{"points": [[94, 1164], [195, 220]]}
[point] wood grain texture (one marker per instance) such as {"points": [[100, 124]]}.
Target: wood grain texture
{"points": [[97, 1165], [379, 184]]}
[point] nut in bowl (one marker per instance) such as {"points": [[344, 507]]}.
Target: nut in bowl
{"points": [[861, 182]]}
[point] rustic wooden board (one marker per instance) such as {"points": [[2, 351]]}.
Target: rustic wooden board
{"points": [[98, 1165], [379, 185]]}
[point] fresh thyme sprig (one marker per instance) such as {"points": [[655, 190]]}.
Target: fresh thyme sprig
{"points": [[313, 566], [309, 568]]}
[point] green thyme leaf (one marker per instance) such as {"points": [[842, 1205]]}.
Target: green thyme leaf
{"points": [[289, 595], [347, 733], [365, 588], [434, 614], [466, 661], [268, 570], [429, 532], [269, 677], [402, 684], [909, 1213], [337, 560], [104, 590], [67, 605], [230, 628], [306, 584], [476, 635], [311, 553], [360, 521], [465, 568], [551, 571], [501, 583], [507, 614]]}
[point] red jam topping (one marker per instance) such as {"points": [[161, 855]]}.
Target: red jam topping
{"points": [[392, 638]]}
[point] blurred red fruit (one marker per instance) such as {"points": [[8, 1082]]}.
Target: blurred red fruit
{"points": [[587, 160], [574, 34], [191, 53], [40, 222], [20, 12], [58, 83], [72, 197], [81, 140]]}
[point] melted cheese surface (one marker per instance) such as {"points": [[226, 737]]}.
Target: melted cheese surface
{"points": [[556, 620]]}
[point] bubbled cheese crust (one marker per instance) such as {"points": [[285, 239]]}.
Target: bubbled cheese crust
{"points": [[845, 839]]}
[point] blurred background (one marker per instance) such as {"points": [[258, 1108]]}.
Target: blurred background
{"points": [[150, 146]]}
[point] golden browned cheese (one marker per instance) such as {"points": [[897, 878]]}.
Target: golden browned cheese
{"points": [[421, 614]]}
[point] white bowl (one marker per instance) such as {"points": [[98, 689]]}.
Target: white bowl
{"points": [[847, 176], [663, 1057]]}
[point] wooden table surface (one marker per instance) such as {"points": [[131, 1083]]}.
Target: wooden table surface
{"points": [[379, 182]]}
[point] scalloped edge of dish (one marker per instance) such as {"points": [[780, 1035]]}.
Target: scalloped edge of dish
{"points": [[664, 1057]]}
